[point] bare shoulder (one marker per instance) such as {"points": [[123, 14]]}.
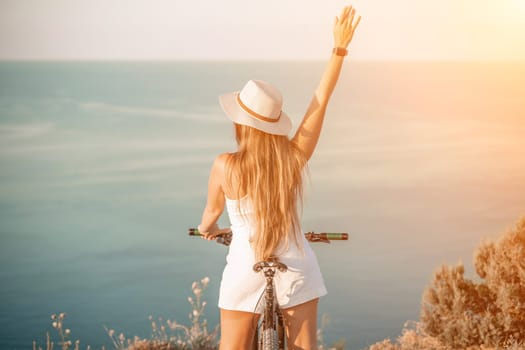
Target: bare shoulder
{"points": [[221, 160], [219, 166]]}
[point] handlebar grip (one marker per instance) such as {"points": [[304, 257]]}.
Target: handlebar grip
{"points": [[336, 236], [192, 231]]}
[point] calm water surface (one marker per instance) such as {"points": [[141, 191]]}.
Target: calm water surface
{"points": [[104, 166]]}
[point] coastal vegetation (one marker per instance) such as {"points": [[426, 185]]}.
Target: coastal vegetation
{"points": [[482, 313]]}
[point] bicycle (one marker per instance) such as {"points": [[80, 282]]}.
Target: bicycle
{"points": [[270, 331]]}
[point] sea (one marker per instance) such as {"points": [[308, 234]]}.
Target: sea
{"points": [[104, 167]]}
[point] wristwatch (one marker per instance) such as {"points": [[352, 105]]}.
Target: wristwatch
{"points": [[340, 51]]}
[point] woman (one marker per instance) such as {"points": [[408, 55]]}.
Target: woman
{"points": [[261, 186]]}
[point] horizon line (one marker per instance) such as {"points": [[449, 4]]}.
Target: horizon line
{"points": [[248, 60]]}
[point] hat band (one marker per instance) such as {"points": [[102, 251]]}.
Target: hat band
{"points": [[255, 114]]}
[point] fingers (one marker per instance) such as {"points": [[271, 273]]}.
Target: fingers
{"points": [[342, 16], [356, 23], [348, 24], [346, 19], [347, 12], [343, 11], [213, 235], [208, 236], [347, 16]]}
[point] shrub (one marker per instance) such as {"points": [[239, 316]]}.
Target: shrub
{"points": [[458, 313], [490, 313], [412, 338]]}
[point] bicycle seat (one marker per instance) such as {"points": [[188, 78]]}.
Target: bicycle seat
{"points": [[270, 263]]}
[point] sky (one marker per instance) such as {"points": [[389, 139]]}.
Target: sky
{"points": [[259, 29]]}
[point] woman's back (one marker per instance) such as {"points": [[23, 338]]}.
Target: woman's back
{"points": [[241, 288], [268, 170]]}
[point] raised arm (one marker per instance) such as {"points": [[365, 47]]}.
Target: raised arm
{"points": [[308, 132]]}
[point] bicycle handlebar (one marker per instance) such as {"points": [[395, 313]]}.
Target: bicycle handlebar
{"points": [[325, 237]]}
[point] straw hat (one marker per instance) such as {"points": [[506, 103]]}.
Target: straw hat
{"points": [[259, 105]]}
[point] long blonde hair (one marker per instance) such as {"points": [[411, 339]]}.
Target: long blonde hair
{"points": [[269, 171]]}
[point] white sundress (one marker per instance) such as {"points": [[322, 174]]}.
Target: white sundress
{"points": [[242, 288]]}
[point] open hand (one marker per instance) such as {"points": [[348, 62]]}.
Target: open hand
{"points": [[344, 27]]}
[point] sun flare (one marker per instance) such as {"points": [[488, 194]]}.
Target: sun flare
{"points": [[519, 5]]}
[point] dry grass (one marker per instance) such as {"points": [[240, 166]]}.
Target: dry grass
{"points": [[459, 313], [166, 335], [456, 312]]}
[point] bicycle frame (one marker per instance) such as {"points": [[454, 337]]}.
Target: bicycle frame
{"points": [[270, 332]]}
